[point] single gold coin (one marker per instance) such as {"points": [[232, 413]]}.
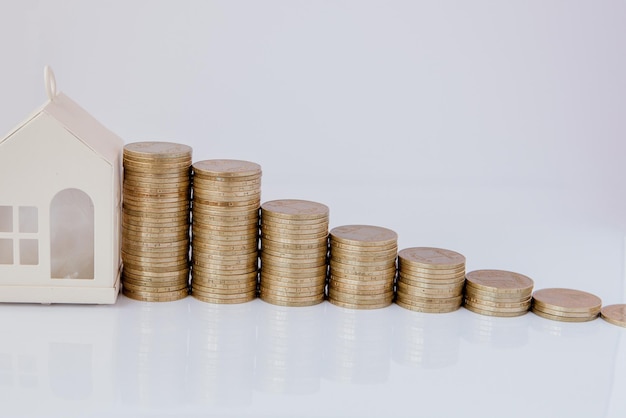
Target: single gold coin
{"points": [[231, 289], [360, 306], [227, 168], [364, 235], [291, 291], [568, 300], [211, 298], [154, 296], [435, 290], [432, 258], [614, 314], [427, 303], [428, 309], [439, 278], [364, 275], [157, 149], [278, 301], [224, 279], [499, 281], [294, 209]]}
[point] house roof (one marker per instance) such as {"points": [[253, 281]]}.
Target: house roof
{"points": [[80, 124]]}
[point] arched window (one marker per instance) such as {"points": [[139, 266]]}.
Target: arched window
{"points": [[71, 235]]}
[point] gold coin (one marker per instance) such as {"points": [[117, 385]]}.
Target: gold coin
{"points": [[281, 239], [201, 222], [481, 311], [568, 300], [181, 175], [364, 235], [221, 199], [290, 302], [211, 298], [288, 263], [150, 282], [208, 212], [291, 280], [563, 318], [614, 314], [227, 168], [432, 258], [428, 309], [429, 293], [499, 281], [247, 232], [265, 293], [426, 302], [495, 296], [146, 229], [149, 237], [359, 306], [156, 297], [200, 183], [295, 222], [152, 217], [157, 194], [294, 209], [157, 149], [373, 282], [481, 306], [250, 218], [293, 272], [164, 164], [244, 204], [225, 256]]}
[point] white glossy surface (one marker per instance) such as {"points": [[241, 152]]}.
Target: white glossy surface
{"points": [[495, 129]]}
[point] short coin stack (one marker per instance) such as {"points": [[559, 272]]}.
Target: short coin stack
{"points": [[566, 305], [362, 266], [225, 230], [155, 221], [294, 247], [498, 293], [430, 279]]}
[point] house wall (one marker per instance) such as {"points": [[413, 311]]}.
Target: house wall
{"points": [[36, 162]]}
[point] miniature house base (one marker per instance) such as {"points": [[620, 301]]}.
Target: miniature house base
{"points": [[60, 205]]}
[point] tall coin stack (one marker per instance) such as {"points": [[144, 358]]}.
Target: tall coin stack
{"points": [[362, 266], [225, 230], [155, 221], [430, 279], [294, 247], [566, 305], [497, 292]]}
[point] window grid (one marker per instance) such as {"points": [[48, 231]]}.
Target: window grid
{"points": [[16, 236]]}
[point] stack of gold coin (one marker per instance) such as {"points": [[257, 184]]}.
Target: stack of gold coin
{"points": [[155, 221], [362, 266], [566, 305], [430, 279], [614, 314], [497, 292], [225, 230], [294, 247]]}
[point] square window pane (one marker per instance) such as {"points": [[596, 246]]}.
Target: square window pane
{"points": [[6, 251], [6, 218], [29, 252], [28, 219]]}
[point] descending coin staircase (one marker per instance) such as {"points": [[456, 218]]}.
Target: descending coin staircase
{"points": [[213, 208]]}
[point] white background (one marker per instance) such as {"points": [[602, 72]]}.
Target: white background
{"points": [[493, 128]]}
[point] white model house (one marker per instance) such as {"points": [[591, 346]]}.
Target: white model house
{"points": [[60, 200]]}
